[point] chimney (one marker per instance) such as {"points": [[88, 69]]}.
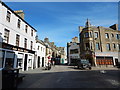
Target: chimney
{"points": [[52, 43], [46, 40], [20, 13], [75, 39]]}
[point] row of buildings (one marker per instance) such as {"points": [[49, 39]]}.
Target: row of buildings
{"points": [[20, 46], [100, 45]]}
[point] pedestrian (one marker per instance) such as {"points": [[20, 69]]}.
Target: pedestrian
{"points": [[53, 63]]}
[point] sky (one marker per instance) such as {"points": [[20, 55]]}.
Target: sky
{"points": [[59, 21]]}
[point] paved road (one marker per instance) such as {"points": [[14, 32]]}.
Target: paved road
{"points": [[68, 77]]}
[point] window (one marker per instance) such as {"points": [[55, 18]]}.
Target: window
{"points": [[32, 32], [19, 23], [73, 51], [9, 63], [6, 35], [106, 35], [26, 28], [91, 46], [114, 46], [96, 34], [86, 34], [38, 47], [87, 46], [97, 46], [8, 16], [118, 47], [108, 46], [25, 43], [17, 39], [41, 48], [117, 36], [31, 45], [90, 34], [112, 35]]}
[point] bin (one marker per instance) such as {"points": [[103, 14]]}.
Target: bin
{"points": [[9, 79]]}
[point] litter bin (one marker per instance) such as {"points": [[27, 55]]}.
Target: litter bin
{"points": [[9, 79]]}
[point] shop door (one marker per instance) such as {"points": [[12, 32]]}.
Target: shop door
{"points": [[25, 62], [116, 62], [38, 61], [42, 61]]}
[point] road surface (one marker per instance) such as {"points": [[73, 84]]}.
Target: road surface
{"points": [[67, 77]]}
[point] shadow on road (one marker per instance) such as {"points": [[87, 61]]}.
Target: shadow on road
{"points": [[72, 79]]}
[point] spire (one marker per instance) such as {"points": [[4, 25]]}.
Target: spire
{"points": [[87, 23]]}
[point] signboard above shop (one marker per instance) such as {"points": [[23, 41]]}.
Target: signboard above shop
{"points": [[107, 54]]}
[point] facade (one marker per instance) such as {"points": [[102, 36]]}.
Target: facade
{"points": [[53, 53], [73, 49], [41, 54], [20, 46], [101, 45], [18, 36]]}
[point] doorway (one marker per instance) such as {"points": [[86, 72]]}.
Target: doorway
{"points": [[116, 61], [38, 61], [25, 62], [42, 61]]}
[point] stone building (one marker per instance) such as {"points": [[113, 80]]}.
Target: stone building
{"points": [[54, 53], [73, 51], [101, 45], [40, 53]]}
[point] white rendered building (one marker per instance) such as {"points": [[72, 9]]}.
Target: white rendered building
{"points": [[18, 36], [41, 53], [73, 52]]}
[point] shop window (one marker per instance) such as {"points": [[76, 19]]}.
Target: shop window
{"points": [[9, 63], [73, 51]]}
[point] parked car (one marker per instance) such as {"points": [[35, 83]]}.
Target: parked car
{"points": [[83, 64], [118, 66]]}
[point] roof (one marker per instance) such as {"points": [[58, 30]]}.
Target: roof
{"points": [[41, 42], [17, 15]]}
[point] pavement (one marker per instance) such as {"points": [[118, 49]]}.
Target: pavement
{"points": [[62, 76]]}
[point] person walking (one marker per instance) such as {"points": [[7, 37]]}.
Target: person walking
{"points": [[53, 63]]}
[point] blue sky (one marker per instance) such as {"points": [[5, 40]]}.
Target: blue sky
{"points": [[59, 21]]}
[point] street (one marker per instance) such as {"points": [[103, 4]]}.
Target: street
{"points": [[67, 77]]}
